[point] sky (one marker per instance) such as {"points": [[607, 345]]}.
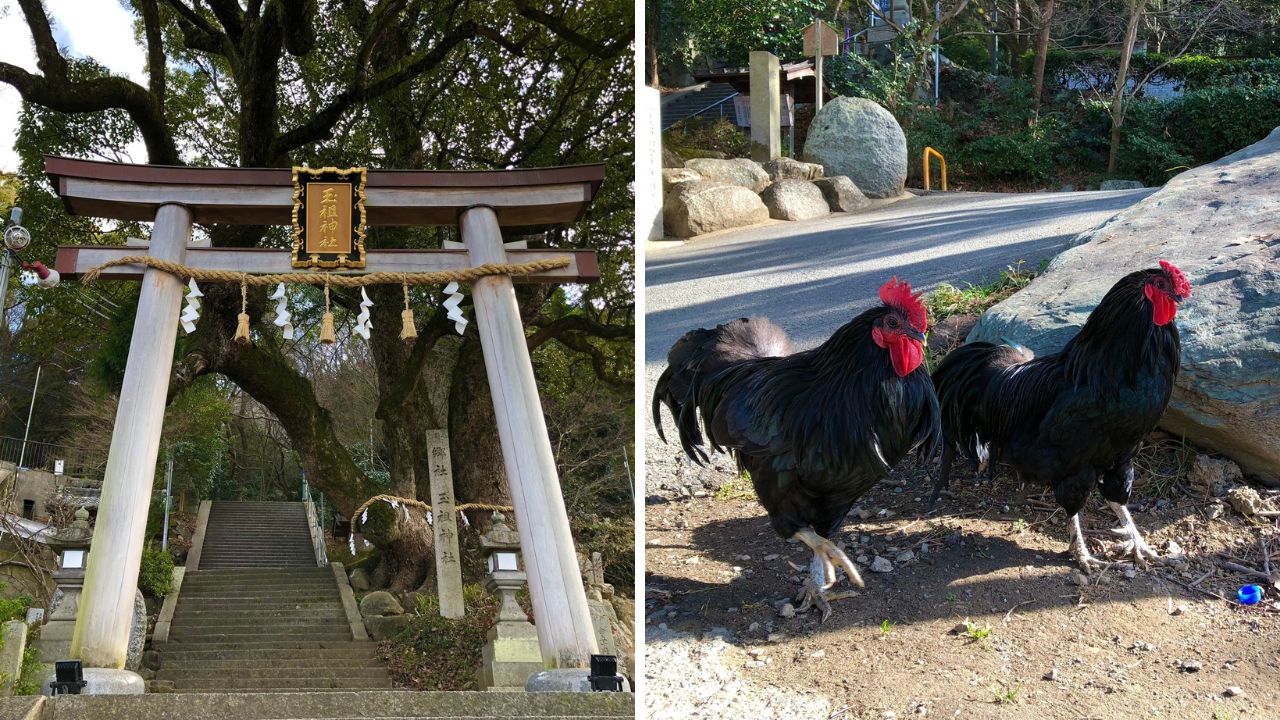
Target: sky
{"points": [[100, 29]]}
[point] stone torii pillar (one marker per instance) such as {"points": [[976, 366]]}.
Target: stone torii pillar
{"points": [[480, 201]]}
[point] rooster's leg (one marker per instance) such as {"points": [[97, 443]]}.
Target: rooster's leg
{"points": [[1135, 544], [822, 573], [1080, 551]]}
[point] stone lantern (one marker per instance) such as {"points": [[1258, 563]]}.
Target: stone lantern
{"points": [[511, 654], [72, 547]]}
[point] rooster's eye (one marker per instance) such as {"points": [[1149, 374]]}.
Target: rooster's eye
{"points": [[891, 321]]}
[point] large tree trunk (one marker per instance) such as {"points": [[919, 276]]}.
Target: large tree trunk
{"points": [[404, 539], [1042, 51], [1122, 79]]}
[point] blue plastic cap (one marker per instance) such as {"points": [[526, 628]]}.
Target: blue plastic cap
{"points": [[1250, 594]]}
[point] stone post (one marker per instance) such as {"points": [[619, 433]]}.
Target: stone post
{"points": [[766, 108], [555, 587], [648, 164], [445, 526], [101, 636]]}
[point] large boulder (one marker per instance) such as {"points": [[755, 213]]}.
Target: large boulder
{"points": [[785, 168], [737, 171], [380, 603], [858, 138], [1121, 185], [674, 176], [696, 208], [1217, 223], [794, 200], [841, 194]]}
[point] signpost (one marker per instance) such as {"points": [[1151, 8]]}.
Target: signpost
{"points": [[444, 525], [820, 39]]}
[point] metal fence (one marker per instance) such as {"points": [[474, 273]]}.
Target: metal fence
{"points": [[56, 459]]}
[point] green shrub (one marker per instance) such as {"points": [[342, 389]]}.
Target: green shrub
{"points": [[436, 653], [1218, 121], [32, 671], [155, 578], [702, 137]]}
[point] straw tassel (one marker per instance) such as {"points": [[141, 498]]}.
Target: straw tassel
{"points": [[327, 335], [407, 329], [242, 327]]}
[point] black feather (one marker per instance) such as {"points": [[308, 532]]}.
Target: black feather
{"points": [[815, 429], [1068, 418]]}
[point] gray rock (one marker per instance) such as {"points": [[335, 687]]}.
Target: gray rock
{"points": [[738, 171], [1217, 224], [881, 565], [794, 200], [359, 580], [785, 168], [858, 138], [1246, 501], [137, 634], [670, 159], [564, 680], [1212, 476], [674, 176], [383, 628], [842, 194], [380, 603], [697, 208], [1121, 185]]}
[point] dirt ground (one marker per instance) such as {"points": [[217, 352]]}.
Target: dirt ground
{"points": [[1165, 642]]}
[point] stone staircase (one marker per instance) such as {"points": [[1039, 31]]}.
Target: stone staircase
{"points": [[258, 615]]}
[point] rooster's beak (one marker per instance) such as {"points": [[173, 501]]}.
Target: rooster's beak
{"points": [[914, 334]]}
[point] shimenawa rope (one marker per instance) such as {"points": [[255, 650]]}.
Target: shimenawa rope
{"points": [[437, 277], [355, 520]]}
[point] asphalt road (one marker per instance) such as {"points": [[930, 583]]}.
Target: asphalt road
{"points": [[811, 277]]}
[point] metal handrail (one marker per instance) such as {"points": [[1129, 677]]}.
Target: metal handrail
{"points": [[943, 161]]}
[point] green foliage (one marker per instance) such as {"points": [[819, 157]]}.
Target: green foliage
{"points": [[887, 627], [32, 671], [695, 136], [974, 631], [1006, 696], [886, 83], [729, 30], [14, 608], [947, 300], [155, 576], [436, 653], [1217, 121], [738, 488]]}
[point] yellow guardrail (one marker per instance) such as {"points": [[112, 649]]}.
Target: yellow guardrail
{"points": [[941, 160]]}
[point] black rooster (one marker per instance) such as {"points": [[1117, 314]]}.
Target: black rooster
{"points": [[1072, 419], [815, 429]]}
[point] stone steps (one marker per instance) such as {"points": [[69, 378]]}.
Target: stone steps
{"points": [[385, 704], [271, 650], [260, 617]]}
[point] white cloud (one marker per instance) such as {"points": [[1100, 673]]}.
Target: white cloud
{"points": [[100, 29]]}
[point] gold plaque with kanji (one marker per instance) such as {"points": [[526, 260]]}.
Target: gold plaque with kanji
{"points": [[328, 217]]}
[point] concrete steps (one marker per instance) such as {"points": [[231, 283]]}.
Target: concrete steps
{"points": [[258, 616]]}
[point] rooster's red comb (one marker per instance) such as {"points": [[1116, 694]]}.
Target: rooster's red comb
{"points": [[898, 295], [1180, 284]]}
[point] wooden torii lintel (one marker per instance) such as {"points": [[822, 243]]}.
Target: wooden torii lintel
{"points": [[479, 202]]}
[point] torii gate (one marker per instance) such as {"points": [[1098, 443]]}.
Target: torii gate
{"points": [[479, 202]]}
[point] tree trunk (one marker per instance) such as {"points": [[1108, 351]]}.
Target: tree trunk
{"points": [[651, 42], [1042, 51], [404, 539], [1122, 79]]}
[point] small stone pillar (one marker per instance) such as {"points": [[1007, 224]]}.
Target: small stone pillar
{"points": [[511, 654], [599, 592], [766, 107]]}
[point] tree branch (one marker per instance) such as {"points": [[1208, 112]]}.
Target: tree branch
{"points": [[558, 27]]}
